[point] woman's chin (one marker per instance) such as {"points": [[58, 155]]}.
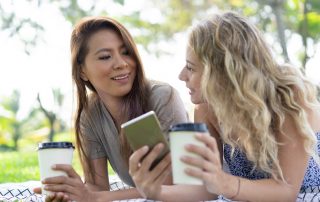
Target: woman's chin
{"points": [[196, 100]]}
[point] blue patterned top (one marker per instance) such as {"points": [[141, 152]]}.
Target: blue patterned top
{"points": [[239, 165]]}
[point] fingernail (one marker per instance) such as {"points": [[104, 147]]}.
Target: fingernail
{"points": [[159, 146], [53, 166], [145, 148], [187, 170]]}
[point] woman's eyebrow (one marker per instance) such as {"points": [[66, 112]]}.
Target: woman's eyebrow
{"points": [[108, 49], [188, 61], [103, 50]]}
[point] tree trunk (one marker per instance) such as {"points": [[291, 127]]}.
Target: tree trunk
{"points": [[51, 134], [304, 34], [51, 117], [278, 12]]}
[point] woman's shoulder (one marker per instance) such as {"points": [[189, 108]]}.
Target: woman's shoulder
{"points": [[163, 94], [157, 87], [92, 107]]}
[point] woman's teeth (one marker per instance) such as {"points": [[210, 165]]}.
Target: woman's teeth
{"points": [[120, 77]]}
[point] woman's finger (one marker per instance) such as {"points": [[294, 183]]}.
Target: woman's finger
{"points": [[57, 180], [37, 190], [66, 168], [208, 140], [161, 167], [202, 151], [163, 175], [199, 163], [60, 188], [194, 172], [59, 197], [151, 157], [50, 197], [135, 159]]}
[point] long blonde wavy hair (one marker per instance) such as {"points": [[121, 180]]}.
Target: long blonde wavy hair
{"points": [[249, 92]]}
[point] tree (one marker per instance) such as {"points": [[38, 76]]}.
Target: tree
{"points": [[10, 121], [280, 18], [55, 123]]}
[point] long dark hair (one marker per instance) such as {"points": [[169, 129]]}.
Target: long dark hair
{"points": [[135, 102]]}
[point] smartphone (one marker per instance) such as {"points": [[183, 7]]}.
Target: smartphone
{"points": [[146, 130]]}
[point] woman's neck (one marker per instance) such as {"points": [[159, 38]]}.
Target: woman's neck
{"points": [[114, 106]]}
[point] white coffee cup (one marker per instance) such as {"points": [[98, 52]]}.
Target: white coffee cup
{"points": [[50, 153], [181, 135]]}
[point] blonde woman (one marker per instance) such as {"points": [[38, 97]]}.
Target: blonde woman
{"points": [[264, 119]]}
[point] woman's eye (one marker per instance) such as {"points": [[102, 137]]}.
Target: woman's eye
{"points": [[105, 57], [125, 52], [189, 68]]}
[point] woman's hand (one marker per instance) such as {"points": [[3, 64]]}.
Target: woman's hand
{"points": [[68, 187], [148, 182], [210, 169], [53, 197]]}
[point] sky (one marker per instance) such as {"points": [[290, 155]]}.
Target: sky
{"points": [[48, 65]]}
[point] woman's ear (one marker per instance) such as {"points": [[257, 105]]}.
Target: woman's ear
{"points": [[83, 75]]}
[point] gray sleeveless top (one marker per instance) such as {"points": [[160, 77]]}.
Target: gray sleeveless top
{"points": [[101, 137]]}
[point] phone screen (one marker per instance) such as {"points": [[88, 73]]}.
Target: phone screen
{"points": [[146, 130]]}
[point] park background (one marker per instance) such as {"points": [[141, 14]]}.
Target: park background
{"points": [[36, 91]]}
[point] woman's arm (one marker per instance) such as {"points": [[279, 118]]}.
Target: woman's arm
{"points": [[100, 174], [102, 184], [293, 161]]}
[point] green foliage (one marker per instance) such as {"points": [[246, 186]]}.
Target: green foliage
{"points": [[314, 25], [73, 12], [177, 15], [14, 26], [13, 127], [23, 165]]}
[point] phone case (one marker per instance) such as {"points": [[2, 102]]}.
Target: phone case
{"points": [[145, 130]]}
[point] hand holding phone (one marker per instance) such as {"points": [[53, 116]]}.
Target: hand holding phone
{"points": [[145, 130]]}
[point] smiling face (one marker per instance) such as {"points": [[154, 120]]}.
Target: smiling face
{"points": [[108, 65], [191, 75]]}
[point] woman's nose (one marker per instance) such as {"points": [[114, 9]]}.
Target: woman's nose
{"points": [[182, 75], [120, 63]]}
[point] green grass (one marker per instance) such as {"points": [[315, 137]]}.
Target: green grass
{"points": [[20, 166]]}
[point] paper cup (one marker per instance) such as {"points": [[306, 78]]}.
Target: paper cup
{"points": [[181, 135], [50, 153]]}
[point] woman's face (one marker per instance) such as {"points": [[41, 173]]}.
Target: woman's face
{"points": [[108, 65], [191, 75]]}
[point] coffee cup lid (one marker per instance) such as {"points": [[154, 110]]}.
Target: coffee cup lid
{"points": [[55, 145], [198, 127]]}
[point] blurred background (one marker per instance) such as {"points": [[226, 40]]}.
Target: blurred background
{"points": [[36, 91]]}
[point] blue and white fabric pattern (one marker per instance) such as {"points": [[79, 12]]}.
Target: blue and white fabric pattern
{"points": [[239, 165]]}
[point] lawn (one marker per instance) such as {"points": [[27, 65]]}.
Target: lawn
{"points": [[22, 165]]}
